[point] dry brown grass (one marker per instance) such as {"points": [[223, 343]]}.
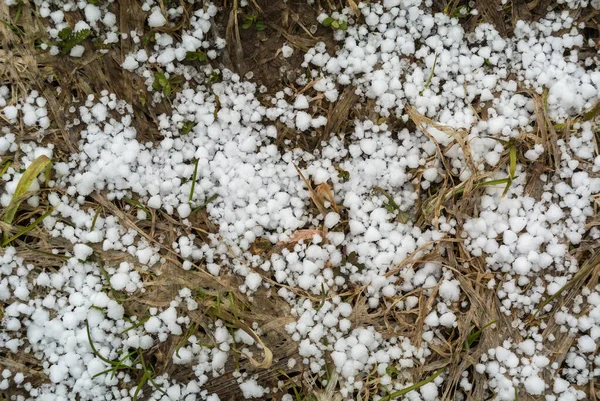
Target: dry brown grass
{"points": [[25, 68]]}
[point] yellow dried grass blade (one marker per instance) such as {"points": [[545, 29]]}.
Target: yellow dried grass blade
{"points": [[34, 169], [5, 166], [313, 194], [513, 161], [354, 7]]}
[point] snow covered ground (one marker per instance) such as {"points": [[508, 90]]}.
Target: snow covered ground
{"points": [[441, 244]]}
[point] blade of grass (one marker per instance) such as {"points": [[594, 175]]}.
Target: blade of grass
{"points": [[103, 372], [401, 216], [19, 12], [485, 184], [194, 179], [141, 383], [94, 219], [202, 206], [313, 195], [296, 393], [120, 364], [134, 326], [34, 169], [494, 182], [512, 168], [582, 273], [5, 165], [592, 113], [413, 387], [95, 351], [513, 161], [148, 373], [117, 366], [502, 141], [30, 227], [12, 27], [430, 76], [471, 338], [137, 204], [187, 336]]}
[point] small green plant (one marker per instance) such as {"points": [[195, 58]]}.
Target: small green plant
{"points": [[166, 85], [196, 56], [148, 39], [473, 337], [512, 157], [136, 357], [191, 330], [392, 207], [342, 174], [100, 45], [33, 171], [512, 168], [461, 11], [337, 24], [70, 39], [187, 127], [250, 19]]}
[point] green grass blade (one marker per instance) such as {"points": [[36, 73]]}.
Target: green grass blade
{"points": [[194, 179], [34, 169], [94, 350], [156, 386], [140, 385], [104, 372], [136, 325], [592, 113], [491, 183], [94, 220], [120, 365], [148, 373], [582, 273], [413, 387], [30, 227], [430, 75], [474, 336], [137, 204], [202, 206]]}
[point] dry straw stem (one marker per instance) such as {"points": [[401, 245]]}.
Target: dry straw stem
{"points": [[316, 197], [458, 136], [545, 128]]}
